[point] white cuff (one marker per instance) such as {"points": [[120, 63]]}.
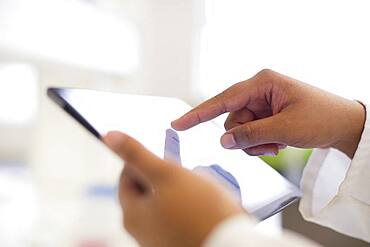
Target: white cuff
{"points": [[335, 190], [234, 229], [239, 231]]}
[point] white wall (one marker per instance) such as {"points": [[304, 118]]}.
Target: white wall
{"points": [[169, 32], [64, 158], [324, 43]]}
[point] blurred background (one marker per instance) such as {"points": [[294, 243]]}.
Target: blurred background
{"points": [[57, 183]]}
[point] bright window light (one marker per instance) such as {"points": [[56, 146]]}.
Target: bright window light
{"points": [[69, 32], [324, 43], [18, 93]]}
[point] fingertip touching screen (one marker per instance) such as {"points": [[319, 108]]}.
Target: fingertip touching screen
{"points": [[261, 190]]}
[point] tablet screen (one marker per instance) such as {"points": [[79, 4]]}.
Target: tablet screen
{"points": [[262, 190]]}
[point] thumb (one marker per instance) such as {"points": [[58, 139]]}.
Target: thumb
{"points": [[135, 154], [263, 131]]}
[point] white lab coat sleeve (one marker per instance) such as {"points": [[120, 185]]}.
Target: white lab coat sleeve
{"points": [[336, 190], [335, 193], [240, 231]]}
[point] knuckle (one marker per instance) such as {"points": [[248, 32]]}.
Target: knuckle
{"points": [[226, 125], [220, 99], [265, 73], [248, 133], [267, 76], [244, 135]]}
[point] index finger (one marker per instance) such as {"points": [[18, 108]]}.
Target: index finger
{"points": [[227, 101]]}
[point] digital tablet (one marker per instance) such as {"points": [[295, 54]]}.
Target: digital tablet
{"points": [[262, 191]]}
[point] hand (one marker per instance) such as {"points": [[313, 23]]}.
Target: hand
{"points": [[165, 205], [270, 111]]}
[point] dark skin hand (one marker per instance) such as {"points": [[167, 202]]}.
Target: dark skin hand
{"points": [[270, 111], [165, 205]]}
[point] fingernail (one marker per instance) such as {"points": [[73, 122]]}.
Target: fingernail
{"points": [[174, 124], [114, 139], [228, 141]]}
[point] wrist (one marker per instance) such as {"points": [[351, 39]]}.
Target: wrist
{"points": [[352, 130]]}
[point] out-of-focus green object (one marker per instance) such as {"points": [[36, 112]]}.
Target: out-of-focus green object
{"points": [[289, 157]]}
